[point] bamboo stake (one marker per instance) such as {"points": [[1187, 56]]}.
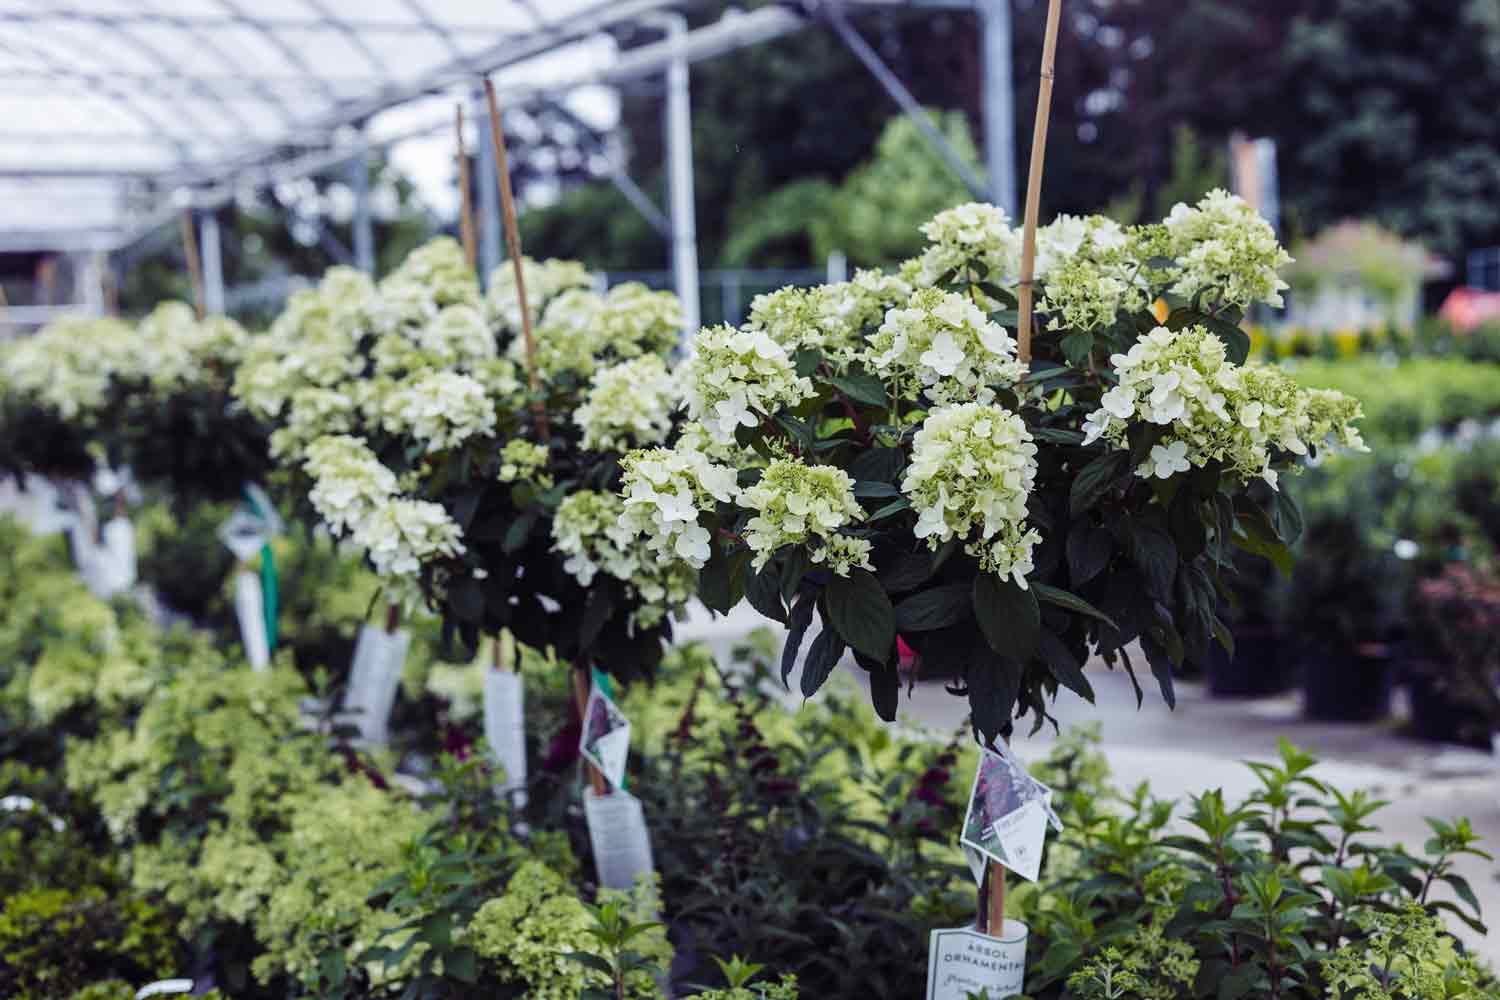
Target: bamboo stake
{"points": [[392, 618], [582, 685], [1034, 183], [194, 264], [996, 901], [466, 220], [513, 245]]}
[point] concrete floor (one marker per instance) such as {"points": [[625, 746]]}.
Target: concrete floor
{"points": [[1204, 743]]}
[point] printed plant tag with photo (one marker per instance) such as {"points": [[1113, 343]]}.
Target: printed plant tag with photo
{"points": [[605, 741], [962, 962], [1007, 818]]}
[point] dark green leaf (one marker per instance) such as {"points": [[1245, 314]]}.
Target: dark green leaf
{"points": [[597, 609], [461, 964], [1185, 523], [807, 361], [1057, 435], [466, 598], [518, 532], [1155, 554], [933, 609], [994, 681], [880, 465], [889, 510], [867, 489], [866, 389], [721, 582], [860, 610], [885, 691], [1161, 669], [1089, 548], [822, 657], [1286, 517], [1072, 602], [1065, 666], [763, 592], [797, 623], [1008, 616], [1095, 479], [909, 572], [1077, 346], [795, 563]]}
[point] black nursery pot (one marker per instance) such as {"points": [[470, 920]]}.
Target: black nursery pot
{"points": [[1347, 685], [1261, 665], [1438, 717]]}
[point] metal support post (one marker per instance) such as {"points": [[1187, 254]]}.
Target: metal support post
{"points": [[679, 140], [489, 203], [364, 227], [999, 102], [212, 249]]}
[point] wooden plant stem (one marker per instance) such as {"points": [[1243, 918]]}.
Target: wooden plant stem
{"points": [[582, 685], [194, 264], [1034, 185], [504, 654], [465, 183], [996, 901], [513, 245], [392, 617]]}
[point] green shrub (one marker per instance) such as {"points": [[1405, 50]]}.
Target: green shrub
{"points": [[1404, 399], [56, 941]]}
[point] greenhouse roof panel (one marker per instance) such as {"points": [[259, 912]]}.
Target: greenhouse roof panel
{"points": [[155, 95]]}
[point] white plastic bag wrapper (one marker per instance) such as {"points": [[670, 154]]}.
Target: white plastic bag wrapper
{"points": [[618, 835], [962, 962], [505, 728], [374, 680], [605, 740]]}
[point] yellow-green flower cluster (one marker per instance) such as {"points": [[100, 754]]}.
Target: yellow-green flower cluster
{"points": [[1088, 272], [521, 461], [736, 377], [798, 504], [834, 319], [433, 277], [545, 281], [439, 410], [67, 365], [943, 345], [972, 470], [580, 329], [974, 240], [1224, 248], [1213, 410], [628, 405], [529, 932]]}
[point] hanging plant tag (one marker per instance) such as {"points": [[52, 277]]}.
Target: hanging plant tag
{"points": [[244, 533], [1007, 816], [164, 987], [617, 833], [962, 962], [505, 728], [114, 566], [605, 742], [250, 609]]}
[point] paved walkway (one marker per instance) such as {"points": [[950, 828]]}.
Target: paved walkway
{"points": [[1204, 743]]}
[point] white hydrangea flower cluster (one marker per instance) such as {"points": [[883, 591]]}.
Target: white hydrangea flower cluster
{"points": [[457, 336], [174, 349], [967, 235], [1089, 273], [1225, 246], [973, 467], [944, 345], [355, 494], [1213, 409], [581, 329], [67, 365], [664, 489], [439, 409], [832, 318], [734, 377], [545, 281], [589, 529], [628, 405], [434, 276], [799, 504], [524, 462], [311, 413]]}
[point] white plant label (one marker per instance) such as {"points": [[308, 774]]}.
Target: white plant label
{"points": [[164, 987], [962, 961], [605, 741], [119, 553], [244, 534], [374, 679], [617, 833], [1007, 816], [505, 727], [250, 609]]}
